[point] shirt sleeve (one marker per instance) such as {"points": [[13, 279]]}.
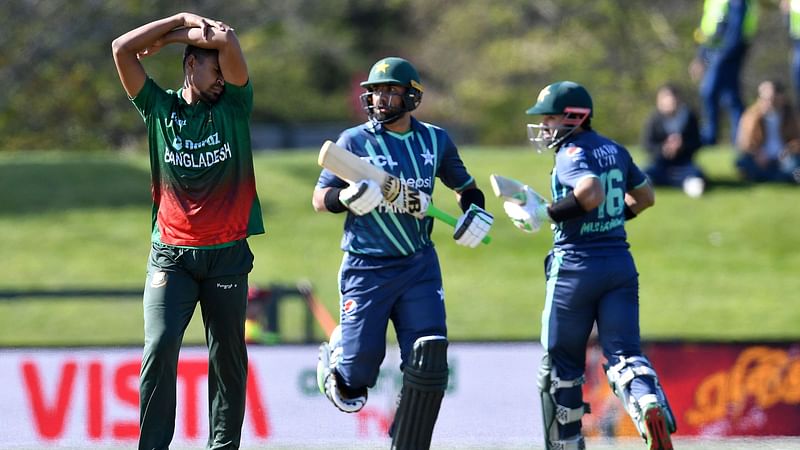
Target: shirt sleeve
{"points": [[636, 177], [240, 97], [149, 97], [572, 166], [451, 170]]}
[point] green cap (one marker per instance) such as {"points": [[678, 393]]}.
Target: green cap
{"points": [[558, 96], [393, 70]]}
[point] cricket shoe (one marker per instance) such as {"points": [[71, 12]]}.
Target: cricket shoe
{"points": [[655, 423], [329, 356]]}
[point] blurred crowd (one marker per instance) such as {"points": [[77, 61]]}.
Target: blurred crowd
{"points": [[764, 134]]}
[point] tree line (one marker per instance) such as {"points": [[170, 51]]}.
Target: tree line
{"points": [[482, 63]]}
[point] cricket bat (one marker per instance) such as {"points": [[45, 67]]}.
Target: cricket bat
{"points": [[511, 190], [351, 168]]}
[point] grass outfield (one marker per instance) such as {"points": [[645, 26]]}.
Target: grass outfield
{"points": [[722, 267]]}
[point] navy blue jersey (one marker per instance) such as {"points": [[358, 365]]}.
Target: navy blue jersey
{"points": [[589, 154], [417, 157]]}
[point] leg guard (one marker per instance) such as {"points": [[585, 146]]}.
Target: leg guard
{"points": [[328, 381], [649, 409], [424, 382], [555, 415]]}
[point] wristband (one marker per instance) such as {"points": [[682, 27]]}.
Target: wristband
{"points": [[629, 214], [565, 209], [472, 196], [332, 202]]}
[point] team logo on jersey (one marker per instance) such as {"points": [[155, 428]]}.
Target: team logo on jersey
{"points": [[572, 151], [159, 280], [349, 307], [428, 157]]}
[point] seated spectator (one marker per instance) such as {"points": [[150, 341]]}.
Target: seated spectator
{"points": [[671, 137], [769, 138]]}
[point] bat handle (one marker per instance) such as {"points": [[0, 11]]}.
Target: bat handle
{"points": [[437, 213]]}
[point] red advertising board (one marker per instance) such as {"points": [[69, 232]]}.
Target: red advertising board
{"points": [[714, 389]]}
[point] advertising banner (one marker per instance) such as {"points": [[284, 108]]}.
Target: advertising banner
{"points": [[88, 397], [715, 390], [71, 397]]}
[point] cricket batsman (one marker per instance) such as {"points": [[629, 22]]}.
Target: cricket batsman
{"points": [[591, 277], [390, 270]]}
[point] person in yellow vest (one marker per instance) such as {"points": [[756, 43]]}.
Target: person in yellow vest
{"points": [[791, 10], [726, 31]]}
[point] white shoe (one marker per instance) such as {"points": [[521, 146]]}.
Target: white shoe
{"points": [[329, 356], [694, 186]]}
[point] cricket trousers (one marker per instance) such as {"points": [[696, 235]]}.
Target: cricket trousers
{"points": [[406, 290], [177, 279], [581, 291]]}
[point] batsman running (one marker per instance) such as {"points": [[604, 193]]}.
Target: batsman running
{"points": [[591, 277], [390, 270]]}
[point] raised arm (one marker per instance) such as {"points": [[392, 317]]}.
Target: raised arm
{"points": [[218, 36], [185, 28]]}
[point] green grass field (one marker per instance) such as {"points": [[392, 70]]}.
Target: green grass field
{"points": [[722, 267]]}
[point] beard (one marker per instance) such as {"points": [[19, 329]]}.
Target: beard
{"points": [[211, 97], [389, 115]]}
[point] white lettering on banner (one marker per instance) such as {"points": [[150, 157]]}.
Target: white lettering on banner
{"points": [[198, 160]]}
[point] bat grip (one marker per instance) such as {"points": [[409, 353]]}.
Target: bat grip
{"points": [[437, 213]]}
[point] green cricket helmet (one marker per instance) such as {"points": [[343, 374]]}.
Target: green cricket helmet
{"points": [[565, 98], [396, 72]]}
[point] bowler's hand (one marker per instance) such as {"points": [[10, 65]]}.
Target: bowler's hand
{"points": [[205, 24], [151, 50]]}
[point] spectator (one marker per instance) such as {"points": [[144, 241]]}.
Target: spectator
{"points": [[725, 33], [671, 137], [769, 138], [791, 11]]}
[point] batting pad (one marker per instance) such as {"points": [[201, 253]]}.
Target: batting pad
{"points": [[424, 382]]}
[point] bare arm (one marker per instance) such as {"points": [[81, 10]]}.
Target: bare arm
{"points": [[318, 199], [589, 193], [221, 38], [640, 198], [186, 28], [126, 50]]}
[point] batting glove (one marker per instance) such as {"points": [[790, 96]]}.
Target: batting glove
{"points": [[413, 201], [362, 197], [529, 215], [473, 226]]}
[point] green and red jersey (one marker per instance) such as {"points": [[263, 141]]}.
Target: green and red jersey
{"points": [[203, 182]]}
